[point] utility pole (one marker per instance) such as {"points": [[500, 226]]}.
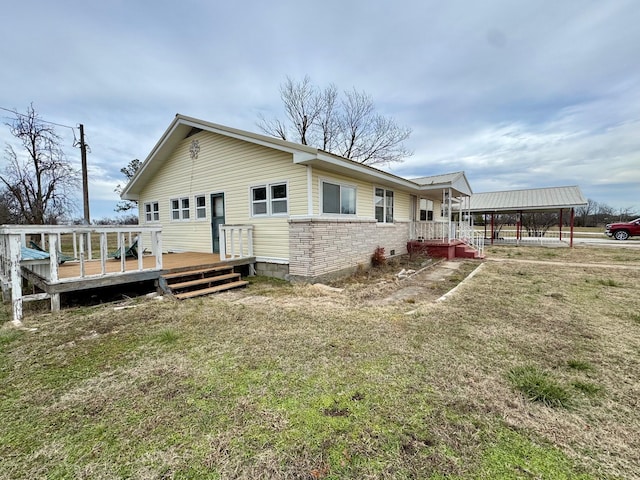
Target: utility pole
{"points": [[85, 178]]}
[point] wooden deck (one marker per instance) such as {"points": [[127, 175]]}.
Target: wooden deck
{"points": [[70, 279], [170, 262]]}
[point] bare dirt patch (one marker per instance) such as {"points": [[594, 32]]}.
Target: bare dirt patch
{"points": [[402, 281]]}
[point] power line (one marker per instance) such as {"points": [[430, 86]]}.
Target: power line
{"points": [[73, 129]]}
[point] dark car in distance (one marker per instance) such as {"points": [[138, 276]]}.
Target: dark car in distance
{"points": [[623, 230]]}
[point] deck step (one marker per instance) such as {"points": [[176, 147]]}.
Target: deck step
{"points": [[203, 281], [200, 281], [210, 290], [202, 271]]}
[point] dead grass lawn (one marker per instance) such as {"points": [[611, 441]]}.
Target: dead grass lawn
{"points": [[283, 381]]}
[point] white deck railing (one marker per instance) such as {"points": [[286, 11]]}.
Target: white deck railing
{"points": [[13, 238], [236, 241], [429, 231], [445, 231]]}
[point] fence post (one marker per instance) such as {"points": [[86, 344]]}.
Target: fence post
{"points": [[16, 278]]}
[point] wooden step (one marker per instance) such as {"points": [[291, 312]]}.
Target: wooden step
{"points": [[202, 271], [202, 281], [207, 291]]}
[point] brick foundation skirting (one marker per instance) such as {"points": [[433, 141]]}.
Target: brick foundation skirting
{"points": [[321, 247]]}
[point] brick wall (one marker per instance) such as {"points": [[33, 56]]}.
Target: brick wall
{"points": [[321, 247]]}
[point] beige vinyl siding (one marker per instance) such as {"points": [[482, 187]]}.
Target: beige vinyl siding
{"points": [[365, 192], [229, 166]]}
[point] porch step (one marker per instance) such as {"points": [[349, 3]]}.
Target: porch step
{"points": [[201, 281], [465, 251]]}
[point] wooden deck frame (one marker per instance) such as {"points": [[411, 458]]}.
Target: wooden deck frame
{"points": [[54, 277]]}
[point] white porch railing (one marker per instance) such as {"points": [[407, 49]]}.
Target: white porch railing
{"points": [[471, 237], [14, 238], [444, 231], [236, 241], [430, 231]]}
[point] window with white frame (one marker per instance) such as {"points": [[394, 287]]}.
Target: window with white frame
{"points": [[426, 210], [152, 212], [180, 209], [384, 205], [337, 198], [201, 207], [269, 200]]}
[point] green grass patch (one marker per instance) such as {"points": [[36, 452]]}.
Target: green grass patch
{"points": [[588, 388], [515, 456], [167, 337], [580, 365], [8, 336], [539, 386]]}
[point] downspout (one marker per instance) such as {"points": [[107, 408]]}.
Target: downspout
{"points": [[309, 190]]}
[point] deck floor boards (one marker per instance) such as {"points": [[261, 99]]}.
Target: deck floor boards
{"points": [[170, 261]]}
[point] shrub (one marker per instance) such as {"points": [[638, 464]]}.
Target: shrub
{"points": [[378, 258]]}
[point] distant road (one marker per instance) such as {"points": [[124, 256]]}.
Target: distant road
{"points": [[607, 242]]}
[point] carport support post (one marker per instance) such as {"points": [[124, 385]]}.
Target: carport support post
{"points": [[519, 227], [572, 219], [560, 226], [492, 226]]}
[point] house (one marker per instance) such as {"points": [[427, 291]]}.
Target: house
{"points": [[303, 213]]}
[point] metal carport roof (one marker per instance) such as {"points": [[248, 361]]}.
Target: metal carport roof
{"points": [[540, 199]]}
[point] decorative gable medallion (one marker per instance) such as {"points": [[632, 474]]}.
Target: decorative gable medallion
{"points": [[194, 149]]}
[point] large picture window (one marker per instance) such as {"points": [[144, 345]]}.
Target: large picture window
{"points": [[384, 205], [269, 200], [340, 199], [152, 212]]}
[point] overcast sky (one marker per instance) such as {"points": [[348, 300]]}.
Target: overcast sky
{"points": [[518, 94]]}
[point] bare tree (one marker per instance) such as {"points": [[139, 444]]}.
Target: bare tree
{"points": [[129, 171], [350, 128], [40, 182], [538, 223], [583, 213]]}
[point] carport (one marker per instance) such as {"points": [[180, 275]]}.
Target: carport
{"points": [[517, 202]]}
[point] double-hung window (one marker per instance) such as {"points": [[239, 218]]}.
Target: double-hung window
{"points": [[426, 210], [340, 199], [384, 205], [152, 212], [180, 209], [269, 199], [201, 207]]}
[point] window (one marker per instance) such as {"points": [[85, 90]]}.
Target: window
{"points": [[339, 199], [426, 210], [269, 200], [279, 199], [180, 209], [201, 207], [152, 212], [384, 205]]}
